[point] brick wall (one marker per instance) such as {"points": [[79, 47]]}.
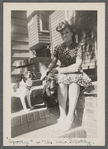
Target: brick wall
{"points": [[87, 112], [33, 120]]}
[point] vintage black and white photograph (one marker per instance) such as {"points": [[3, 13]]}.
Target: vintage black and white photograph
{"points": [[54, 76]]}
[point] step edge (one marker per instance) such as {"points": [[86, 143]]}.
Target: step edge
{"points": [[72, 130]]}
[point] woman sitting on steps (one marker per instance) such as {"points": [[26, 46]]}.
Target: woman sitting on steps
{"points": [[69, 74]]}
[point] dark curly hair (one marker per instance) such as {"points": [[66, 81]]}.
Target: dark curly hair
{"points": [[64, 24]]}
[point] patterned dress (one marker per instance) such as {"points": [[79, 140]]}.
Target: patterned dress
{"points": [[68, 56]]}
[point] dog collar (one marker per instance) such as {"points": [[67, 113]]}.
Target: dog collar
{"points": [[28, 87], [25, 85]]}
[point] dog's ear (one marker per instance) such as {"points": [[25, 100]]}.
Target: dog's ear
{"points": [[33, 76], [23, 77]]}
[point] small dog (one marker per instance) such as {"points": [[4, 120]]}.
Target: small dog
{"points": [[50, 91], [23, 88]]}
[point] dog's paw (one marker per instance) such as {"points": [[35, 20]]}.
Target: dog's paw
{"points": [[26, 110], [31, 107]]}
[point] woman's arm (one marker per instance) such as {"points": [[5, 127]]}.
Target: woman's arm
{"points": [[52, 64], [72, 68], [50, 67]]}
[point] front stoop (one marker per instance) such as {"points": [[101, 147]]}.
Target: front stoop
{"points": [[23, 122], [35, 120]]}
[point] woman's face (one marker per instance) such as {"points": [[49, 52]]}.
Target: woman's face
{"points": [[66, 35]]}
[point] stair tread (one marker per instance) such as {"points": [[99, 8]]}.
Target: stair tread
{"points": [[48, 132], [21, 112]]}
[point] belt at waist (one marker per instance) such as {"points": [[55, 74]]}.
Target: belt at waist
{"points": [[72, 73]]}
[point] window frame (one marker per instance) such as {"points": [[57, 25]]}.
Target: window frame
{"points": [[71, 13], [40, 16]]}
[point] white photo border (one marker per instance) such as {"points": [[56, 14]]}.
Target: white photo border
{"points": [[7, 8]]}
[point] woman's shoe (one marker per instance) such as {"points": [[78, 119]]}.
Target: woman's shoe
{"points": [[67, 125], [59, 124]]}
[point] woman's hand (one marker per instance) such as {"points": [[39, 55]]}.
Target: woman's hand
{"points": [[44, 75], [56, 70], [59, 70]]}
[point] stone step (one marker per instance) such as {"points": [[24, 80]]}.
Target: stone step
{"points": [[77, 132], [51, 132], [26, 121], [85, 112]]}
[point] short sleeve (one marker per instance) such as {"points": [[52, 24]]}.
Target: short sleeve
{"points": [[79, 52], [55, 54]]}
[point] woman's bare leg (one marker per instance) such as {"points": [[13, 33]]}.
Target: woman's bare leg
{"points": [[74, 91], [62, 98]]}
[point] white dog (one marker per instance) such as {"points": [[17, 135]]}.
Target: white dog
{"points": [[23, 89]]}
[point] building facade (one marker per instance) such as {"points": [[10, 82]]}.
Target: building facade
{"points": [[39, 32], [19, 37]]}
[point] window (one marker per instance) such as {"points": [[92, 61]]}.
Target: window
{"points": [[44, 22], [69, 14]]}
